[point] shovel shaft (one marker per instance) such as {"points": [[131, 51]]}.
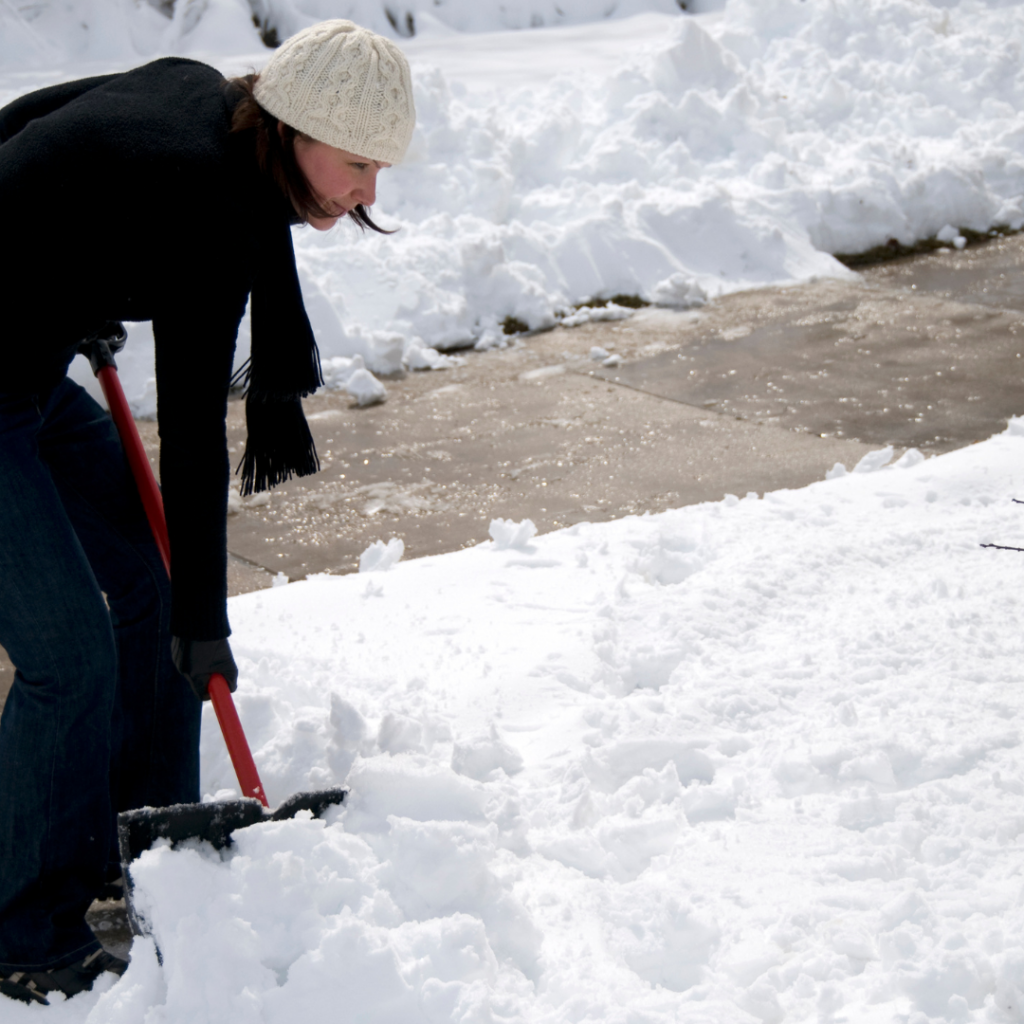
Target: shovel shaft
{"points": [[234, 739], [153, 503], [149, 492]]}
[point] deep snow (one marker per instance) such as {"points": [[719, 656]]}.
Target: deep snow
{"points": [[757, 759], [663, 155]]}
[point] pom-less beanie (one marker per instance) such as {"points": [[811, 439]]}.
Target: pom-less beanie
{"points": [[343, 85]]}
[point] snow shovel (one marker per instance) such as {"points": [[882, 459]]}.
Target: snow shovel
{"points": [[213, 822]]}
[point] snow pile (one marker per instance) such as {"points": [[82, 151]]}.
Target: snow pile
{"points": [[676, 158], [406, 18], [672, 157], [757, 759], [48, 33]]}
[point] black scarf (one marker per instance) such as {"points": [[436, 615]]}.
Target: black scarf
{"points": [[283, 367]]}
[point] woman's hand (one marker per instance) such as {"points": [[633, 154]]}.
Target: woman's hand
{"points": [[197, 660]]}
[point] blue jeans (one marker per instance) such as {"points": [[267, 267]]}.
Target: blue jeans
{"points": [[98, 719]]}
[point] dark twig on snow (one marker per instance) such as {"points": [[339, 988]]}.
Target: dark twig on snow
{"points": [[1004, 547]]}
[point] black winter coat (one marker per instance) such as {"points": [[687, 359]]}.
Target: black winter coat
{"points": [[125, 197]]}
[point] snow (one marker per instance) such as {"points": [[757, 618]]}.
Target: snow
{"points": [[668, 156], [379, 557], [505, 533], [755, 759]]}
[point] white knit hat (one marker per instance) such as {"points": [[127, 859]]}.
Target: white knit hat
{"points": [[343, 85]]}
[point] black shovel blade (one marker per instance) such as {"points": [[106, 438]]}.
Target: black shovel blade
{"points": [[212, 823], [316, 802]]}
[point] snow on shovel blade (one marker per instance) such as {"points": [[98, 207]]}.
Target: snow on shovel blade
{"points": [[211, 823]]}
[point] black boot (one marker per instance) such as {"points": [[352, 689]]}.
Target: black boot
{"points": [[33, 986]]}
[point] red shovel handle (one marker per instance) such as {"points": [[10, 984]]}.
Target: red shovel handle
{"points": [[234, 739], [149, 492], [153, 503]]}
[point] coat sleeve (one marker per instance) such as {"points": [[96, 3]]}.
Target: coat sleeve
{"points": [[195, 346], [37, 104]]}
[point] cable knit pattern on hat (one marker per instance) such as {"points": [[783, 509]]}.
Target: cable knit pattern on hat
{"points": [[343, 85]]}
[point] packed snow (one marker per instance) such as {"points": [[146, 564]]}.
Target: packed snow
{"points": [[752, 760], [663, 155]]}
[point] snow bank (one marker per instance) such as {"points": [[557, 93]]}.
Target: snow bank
{"points": [[674, 158], [49, 33], [748, 760], [666, 156]]}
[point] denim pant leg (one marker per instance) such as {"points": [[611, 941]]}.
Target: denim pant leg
{"points": [[97, 719], [155, 749]]}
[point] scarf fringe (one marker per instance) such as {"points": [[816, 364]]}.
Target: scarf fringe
{"points": [[310, 379], [279, 445], [284, 367]]}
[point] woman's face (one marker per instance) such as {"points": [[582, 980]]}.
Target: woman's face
{"points": [[341, 180]]}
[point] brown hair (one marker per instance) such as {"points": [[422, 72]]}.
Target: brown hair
{"points": [[275, 153]]}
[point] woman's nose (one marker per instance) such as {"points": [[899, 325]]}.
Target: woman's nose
{"points": [[368, 189]]}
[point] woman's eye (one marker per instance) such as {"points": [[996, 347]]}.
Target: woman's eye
{"points": [[360, 167]]}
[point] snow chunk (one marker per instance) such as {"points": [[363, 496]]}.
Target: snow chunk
{"points": [[594, 314], [419, 356], [482, 756], [680, 291], [951, 236], [365, 388], [509, 534], [910, 458], [874, 461], [674, 556], [379, 557], [350, 374]]}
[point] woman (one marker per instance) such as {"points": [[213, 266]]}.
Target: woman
{"points": [[164, 194]]}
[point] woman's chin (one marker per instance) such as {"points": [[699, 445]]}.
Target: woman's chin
{"points": [[323, 223]]}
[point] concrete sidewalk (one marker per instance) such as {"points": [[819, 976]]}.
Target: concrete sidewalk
{"points": [[757, 391]]}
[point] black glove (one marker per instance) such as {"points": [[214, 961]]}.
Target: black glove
{"points": [[197, 660], [102, 344]]}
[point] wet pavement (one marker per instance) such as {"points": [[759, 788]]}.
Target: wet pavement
{"points": [[909, 369], [527, 432], [756, 391]]}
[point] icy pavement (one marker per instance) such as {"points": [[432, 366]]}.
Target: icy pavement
{"points": [[754, 759]]}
